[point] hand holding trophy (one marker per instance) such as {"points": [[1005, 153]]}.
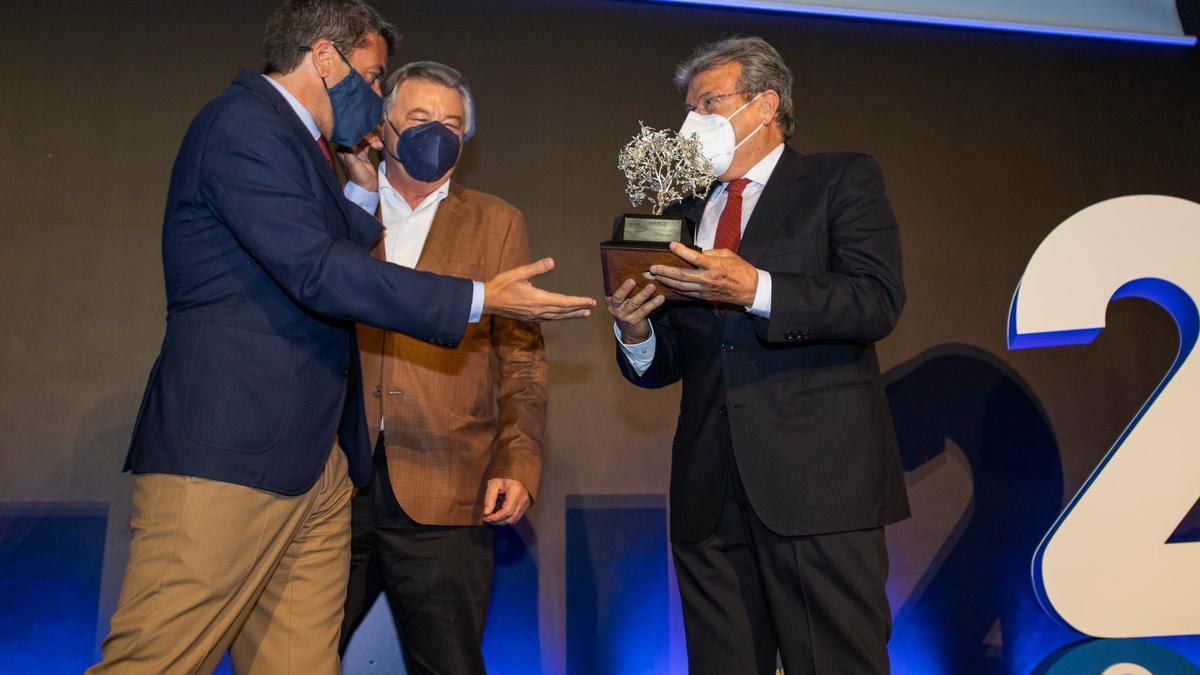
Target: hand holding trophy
{"points": [[665, 168]]}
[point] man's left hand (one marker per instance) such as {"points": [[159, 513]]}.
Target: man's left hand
{"points": [[722, 276], [357, 162], [516, 501]]}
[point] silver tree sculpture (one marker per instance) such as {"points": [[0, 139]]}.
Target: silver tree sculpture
{"points": [[666, 165]]}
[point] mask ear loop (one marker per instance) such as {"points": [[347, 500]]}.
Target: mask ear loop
{"points": [[395, 131], [340, 55], [756, 129], [744, 106]]}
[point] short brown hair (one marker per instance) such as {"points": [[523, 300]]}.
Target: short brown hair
{"points": [[297, 24]]}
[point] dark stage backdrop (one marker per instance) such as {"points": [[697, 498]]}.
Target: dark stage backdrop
{"points": [[987, 142]]}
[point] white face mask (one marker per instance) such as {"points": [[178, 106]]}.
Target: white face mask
{"points": [[718, 141]]}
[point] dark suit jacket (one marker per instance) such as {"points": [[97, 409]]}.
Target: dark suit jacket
{"points": [[808, 423], [267, 267]]}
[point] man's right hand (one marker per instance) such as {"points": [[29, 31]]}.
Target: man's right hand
{"points": [[510, 294], [631, 312]]}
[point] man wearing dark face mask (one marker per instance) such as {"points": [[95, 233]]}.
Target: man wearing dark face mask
{"points": [[251, 429], [459, 449]]}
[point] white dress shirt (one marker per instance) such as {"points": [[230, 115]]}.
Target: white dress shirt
{"points": [[368, 201], [641, 355], [405, 228]]}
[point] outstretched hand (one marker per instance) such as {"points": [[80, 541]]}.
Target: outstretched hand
{"points": [[721, 276], [510, 294]]}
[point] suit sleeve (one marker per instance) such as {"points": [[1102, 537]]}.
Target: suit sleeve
{"points": [[523, 377], [861, 295], [253, 178]]}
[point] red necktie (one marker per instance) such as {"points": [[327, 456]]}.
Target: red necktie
{"points": [[729, 226], [329, 154]]}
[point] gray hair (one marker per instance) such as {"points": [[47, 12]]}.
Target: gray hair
{"points": [[438, 73], [762, 69]]}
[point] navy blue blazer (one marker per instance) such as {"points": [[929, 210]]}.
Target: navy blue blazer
{"points": [[267, 269]]}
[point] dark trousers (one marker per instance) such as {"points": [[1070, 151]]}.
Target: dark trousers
{"points": [[438, 580], [747, 592]]}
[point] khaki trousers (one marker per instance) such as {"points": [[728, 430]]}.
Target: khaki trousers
{"points": [[215, 566]]}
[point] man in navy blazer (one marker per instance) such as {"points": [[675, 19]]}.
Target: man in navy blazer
{"points": [[252, 428]]}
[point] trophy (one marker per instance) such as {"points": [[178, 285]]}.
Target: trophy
{"points": [[671, 168]]}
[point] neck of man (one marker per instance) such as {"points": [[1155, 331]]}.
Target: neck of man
{"points": [[413, 191], [310, 92]]}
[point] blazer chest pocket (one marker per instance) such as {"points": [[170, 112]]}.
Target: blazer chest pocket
{"points": [[239, 388]]}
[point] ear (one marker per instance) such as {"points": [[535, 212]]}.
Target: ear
{"points": [[769, 105], [324, 57]]}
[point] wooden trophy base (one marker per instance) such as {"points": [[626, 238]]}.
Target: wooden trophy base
{"points": [[623, 260]]}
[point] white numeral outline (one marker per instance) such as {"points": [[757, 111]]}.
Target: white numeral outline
{"points": [[1105, 568]]}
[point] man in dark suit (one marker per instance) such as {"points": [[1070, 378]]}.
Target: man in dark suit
{"points": [[252, 426], [784, 467]]}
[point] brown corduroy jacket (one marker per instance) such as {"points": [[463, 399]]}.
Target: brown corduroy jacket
{"points": [[455, 418]]}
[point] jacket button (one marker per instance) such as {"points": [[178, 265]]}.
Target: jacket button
{"points": [[345, 372], [726, 346], [722, 411], [377, 391]]}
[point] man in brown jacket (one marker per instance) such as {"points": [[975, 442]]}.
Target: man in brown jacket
{"points": [[460, 443]]}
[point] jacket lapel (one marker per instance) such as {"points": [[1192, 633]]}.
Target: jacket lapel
{"points": [[693, 210], [255, 82], [443, 232], [379, 248], [773, 206]]}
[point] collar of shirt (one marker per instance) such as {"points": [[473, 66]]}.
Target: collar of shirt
{"points": [[396, 201], [758, 174], [306, 117]]}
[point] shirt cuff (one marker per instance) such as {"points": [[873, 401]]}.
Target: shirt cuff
{"points": [[368, 201], [762, 296], [476, 302], [639, 355]]}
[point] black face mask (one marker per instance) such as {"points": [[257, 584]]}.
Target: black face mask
{"points": [[426, 151]]}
